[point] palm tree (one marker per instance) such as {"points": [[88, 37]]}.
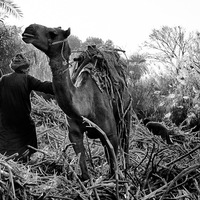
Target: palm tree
{"points": [[10, 8], [137, 66]]}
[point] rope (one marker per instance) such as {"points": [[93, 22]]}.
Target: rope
{"points": [[58, 42], [62, 49]]}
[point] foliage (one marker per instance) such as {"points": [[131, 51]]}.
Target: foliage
{"points": [[194, 53], [109, 43], [170, 47], [40, 66], [10, 8], [10, 44], [137, 67], [169, 89], [92, 41], [74, 42], [146, 99]]}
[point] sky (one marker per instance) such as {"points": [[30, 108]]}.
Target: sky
{"points": [[128, 23]]}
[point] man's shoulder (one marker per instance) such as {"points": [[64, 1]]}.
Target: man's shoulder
{"points": [[32, 77], [11, 74], [7, 75]]}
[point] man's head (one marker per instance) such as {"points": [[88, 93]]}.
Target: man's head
{"points": [[20, 63]]}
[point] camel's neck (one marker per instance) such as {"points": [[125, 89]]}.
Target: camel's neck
{"points": [[69, 98], [58, 66], [63, 86], [73, 101]]}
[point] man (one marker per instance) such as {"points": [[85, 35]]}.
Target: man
{"points": [[17, 129]]}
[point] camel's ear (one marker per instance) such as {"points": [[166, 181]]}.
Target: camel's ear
{"points": [[67, 32]]}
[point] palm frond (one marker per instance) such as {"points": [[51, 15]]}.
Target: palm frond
{"points": [[11, 8]]}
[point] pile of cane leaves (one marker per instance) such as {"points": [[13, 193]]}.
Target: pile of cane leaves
{"points": [[157, 170]]}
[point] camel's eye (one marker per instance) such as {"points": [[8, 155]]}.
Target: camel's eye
{"points": [[53, 34]]}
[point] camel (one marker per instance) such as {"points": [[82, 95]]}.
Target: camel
{"points": [[85, 100]]}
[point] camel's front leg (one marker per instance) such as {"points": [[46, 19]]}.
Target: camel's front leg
{"points": [[76, 137]]}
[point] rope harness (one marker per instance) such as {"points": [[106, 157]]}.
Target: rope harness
{"points": [[65, 62]]}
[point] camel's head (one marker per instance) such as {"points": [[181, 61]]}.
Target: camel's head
{"points": [[48, 40]]}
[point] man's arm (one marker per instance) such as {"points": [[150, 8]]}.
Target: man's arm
{"points": [[42, 86]]}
